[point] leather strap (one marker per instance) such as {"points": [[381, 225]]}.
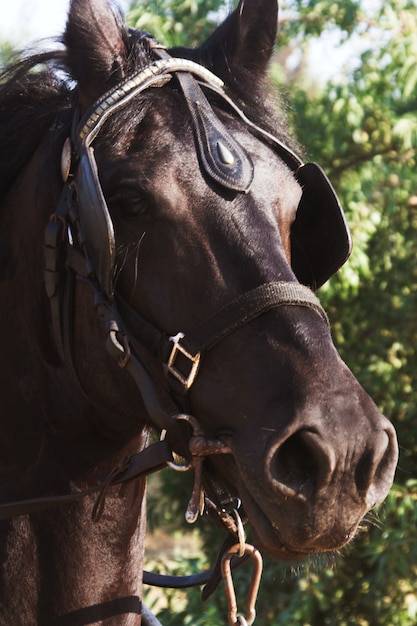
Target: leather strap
{"points": [[222, 157], [247, 307], [211, 578], [226, 320], [151, 459]]}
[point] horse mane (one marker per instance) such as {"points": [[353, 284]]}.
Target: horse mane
{"points": [[31, 95], [37, 87]]}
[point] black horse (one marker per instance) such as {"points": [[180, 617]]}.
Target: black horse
{"points": [[159, 239]]}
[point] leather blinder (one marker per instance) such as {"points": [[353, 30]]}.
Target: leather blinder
{"points": [[96, 222], [320, 238]]}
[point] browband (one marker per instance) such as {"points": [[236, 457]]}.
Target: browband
{"points": [[120, 95]]}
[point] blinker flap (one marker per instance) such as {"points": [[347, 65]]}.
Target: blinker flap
{"points": [[320, 238], [95, 220]]}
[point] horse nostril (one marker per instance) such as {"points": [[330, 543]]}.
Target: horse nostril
{"points": [[364, 471], [302, 464], [374, 471]]}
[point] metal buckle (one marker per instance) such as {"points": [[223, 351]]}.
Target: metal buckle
{"points": [[170, 368]]}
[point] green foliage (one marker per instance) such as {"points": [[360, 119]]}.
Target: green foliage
{"points": [[363, 130], [306, 18], [176, 22]]}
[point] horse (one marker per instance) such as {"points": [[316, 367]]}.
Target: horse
{"points": [[161, 242]]}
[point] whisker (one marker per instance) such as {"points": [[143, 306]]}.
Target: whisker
{"points": [[123, 255], [137, 261], [371, 519], [119, 266]]}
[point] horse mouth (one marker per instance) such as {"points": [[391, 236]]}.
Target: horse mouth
{"points": [[267, 537], [266, 534]]}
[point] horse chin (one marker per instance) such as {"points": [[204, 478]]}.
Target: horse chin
{"points": [[267, 537]]}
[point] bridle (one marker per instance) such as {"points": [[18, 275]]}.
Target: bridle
{"points": [[80, 244]]}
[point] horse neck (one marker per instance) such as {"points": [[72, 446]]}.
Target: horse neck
{"points": [[76, 571]]}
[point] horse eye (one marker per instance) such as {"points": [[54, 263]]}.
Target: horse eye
{"points": [[130, 205]]}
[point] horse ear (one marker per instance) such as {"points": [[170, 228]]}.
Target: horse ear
{"points": [[95, 38], [246, 39]]}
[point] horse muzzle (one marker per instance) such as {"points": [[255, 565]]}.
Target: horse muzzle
{"points": [[313, 492]]}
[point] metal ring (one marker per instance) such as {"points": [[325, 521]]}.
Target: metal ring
{"points": [[177, 467]]}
